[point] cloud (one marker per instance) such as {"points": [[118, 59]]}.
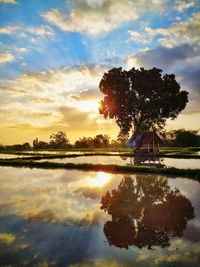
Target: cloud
{"points": [[8, 1], [192, 233], [87, 94], [82, 121], [6, 57], [95, 17], [58, 99], [22, 50], [23, 31], [138, 37], [185, 32], [181, 5], [43, 30], [163, 57], [10, 29], [91, 193]]}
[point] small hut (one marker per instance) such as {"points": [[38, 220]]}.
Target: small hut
{"points": [[145, 143]]}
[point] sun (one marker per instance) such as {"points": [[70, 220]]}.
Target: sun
{"points": [[100, 180]]}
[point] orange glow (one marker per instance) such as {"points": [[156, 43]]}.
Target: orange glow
{"points": [[100, 180]]}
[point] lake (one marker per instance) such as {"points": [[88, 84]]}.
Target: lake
{"points": [[65, 218]]}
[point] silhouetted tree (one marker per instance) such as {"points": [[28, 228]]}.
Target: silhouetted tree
{"points": [[25, 146], [141, 98], [99, 141], [184, 138], [145, 213], [59, 140], [84, 142]]}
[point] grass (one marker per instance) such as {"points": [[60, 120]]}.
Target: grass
{"points": [[190, 173], [180, 150]]}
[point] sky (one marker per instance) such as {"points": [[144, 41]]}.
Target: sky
{"points": [[54, 53]]}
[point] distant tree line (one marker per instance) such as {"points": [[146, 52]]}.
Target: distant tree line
{"points": [[99, 141], [181, 138], [59, 140], [25, 146]]}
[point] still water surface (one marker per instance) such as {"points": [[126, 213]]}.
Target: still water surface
{"points": [[65, 218], [167, 162], [11, 156]]}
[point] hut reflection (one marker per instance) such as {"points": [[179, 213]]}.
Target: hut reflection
{"points": [[147, 161], [145, 212]]}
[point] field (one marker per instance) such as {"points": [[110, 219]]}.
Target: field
{"points": [[54, 209]]}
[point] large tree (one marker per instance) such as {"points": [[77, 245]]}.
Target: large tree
{"points": [[139, 98]]}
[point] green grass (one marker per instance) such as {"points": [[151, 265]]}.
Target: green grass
{"points": [[179, 150], [190, 173]]}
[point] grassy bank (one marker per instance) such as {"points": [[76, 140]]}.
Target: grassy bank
{"points": [[190, 173]]}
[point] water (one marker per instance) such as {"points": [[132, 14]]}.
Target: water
{"points": [[11, 156], [168, 162], [53, 218], [59, 152]]}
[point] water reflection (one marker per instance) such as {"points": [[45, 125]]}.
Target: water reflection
{"points": [[147, 161], [99, 180], [145, 213]]}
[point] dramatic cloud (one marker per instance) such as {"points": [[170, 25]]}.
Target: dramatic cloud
{"points": [[186, 32], [55, 99], [50, 74], [95, 17], [182, 60], [6, 57], [162, 57]]}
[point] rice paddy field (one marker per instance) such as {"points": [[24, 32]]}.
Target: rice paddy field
{"points": [[51, 215]]}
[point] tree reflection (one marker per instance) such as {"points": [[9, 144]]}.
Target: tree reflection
{"points": [[145, 213]]}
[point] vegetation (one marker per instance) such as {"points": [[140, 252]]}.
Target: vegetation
{"points": [[139, 98], [16, 147], [99, 141], [183, 141], [181, 138], [57, 140]]}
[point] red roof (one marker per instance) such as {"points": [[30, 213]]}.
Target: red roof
{"points": [[147, 138]]}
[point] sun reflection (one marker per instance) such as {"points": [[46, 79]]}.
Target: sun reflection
{"points": [[100, 180]]}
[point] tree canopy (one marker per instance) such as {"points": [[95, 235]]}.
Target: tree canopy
{"points": [[139, 98], [59, 140]]}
